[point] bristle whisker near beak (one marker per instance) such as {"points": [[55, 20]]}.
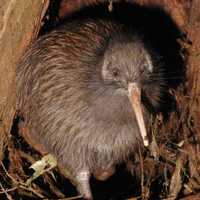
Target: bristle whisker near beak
{"points": [[135, 98]]}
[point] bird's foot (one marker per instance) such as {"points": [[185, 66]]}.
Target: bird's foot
{"points": [[105, 173], [83, 184]]}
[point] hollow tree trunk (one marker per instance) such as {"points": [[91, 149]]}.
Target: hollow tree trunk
{"points": [[20, 22]]}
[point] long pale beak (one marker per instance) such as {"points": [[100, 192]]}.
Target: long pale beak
{"points": [[134, 93]]}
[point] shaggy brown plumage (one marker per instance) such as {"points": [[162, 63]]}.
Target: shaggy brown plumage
{"points": [[73, 91]]}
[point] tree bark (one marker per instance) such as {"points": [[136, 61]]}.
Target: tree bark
{"points": [[19, 24], [175, 8], [193, 85]]}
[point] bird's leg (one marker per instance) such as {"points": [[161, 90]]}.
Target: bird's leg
{"points": [[83, 184], [104, 173]]}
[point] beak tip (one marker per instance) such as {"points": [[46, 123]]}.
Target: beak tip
{"points": [[146, 143]]}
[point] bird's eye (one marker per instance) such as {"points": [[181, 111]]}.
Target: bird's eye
{"points": [[145, 70], [115, 72], [142, 71]]}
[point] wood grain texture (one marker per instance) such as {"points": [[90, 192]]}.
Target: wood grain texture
{"points": [[19, 22], [175, 8]]}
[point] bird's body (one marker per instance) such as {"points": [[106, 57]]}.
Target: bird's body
{"points": [[73, 91]]}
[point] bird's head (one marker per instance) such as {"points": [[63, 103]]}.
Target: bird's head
{"points": [[128, 71]]}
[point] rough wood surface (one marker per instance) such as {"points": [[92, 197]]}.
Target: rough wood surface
{"points": [[19, 24], [193, 29], [176, 8]]}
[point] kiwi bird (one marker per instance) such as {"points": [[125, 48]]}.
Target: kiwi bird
{"points": [[84, 91]]}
